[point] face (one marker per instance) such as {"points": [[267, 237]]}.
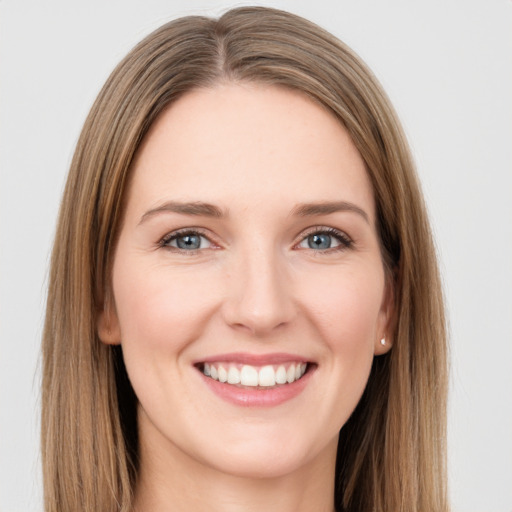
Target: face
{"points": [[248, 283]]}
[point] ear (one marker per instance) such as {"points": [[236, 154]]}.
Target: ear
{"points": [[385, 323], [107, 324]]}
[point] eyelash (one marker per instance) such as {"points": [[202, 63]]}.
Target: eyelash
{"points": [[344, 241], [169, 237], [340, 236]]}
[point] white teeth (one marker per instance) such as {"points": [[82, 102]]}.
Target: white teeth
{"points": [[281, 375], [247, 375], [267, 376], [233, 375], [223, 374]]}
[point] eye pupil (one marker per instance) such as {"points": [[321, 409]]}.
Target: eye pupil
{"points": [[188, 242], [319, 241]]}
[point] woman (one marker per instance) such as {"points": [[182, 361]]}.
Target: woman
{"points": [[244, 309]]}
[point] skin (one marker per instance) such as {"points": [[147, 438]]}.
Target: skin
{"points": [[255, 286]]}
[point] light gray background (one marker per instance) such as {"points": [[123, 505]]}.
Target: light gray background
{"points": [[447, 67]]}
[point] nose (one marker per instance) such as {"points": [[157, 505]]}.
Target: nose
{"points": [[260, 296]]}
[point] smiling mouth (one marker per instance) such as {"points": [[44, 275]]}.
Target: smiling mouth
{"points": [[263, 377]]}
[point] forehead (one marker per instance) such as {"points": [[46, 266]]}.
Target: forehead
{"points": [[249, 145]]}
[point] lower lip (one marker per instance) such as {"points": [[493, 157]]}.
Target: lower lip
{"points": [[258, 397]]}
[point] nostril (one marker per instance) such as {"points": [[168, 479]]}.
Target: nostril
{"points": [[260, 302]]}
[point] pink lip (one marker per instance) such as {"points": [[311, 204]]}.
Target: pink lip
{"points": [[257, 397], [254, 359]]}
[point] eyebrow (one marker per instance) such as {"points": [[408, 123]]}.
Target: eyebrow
{"points": [[196, 208], [328, 207], [201, 209]]}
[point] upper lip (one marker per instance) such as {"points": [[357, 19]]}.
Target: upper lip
{"points": [[254, 359]]}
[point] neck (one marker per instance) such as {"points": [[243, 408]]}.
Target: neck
{"points": [[173, 480]]}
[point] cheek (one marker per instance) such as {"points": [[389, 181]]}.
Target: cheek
{"points": [[158, 310], [347, 300], [345, 307]]}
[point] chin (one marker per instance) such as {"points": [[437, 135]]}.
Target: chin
{"points": [[267, 455], [261, 466]]}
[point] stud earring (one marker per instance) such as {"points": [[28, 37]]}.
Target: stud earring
{"points": [[383, 341]]}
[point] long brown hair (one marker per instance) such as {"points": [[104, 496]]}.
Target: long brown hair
{"points": [[391, 454]]}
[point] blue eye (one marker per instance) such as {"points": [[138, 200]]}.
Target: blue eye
{"points": [[324, 240], [319, 241], [189, 241]]}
